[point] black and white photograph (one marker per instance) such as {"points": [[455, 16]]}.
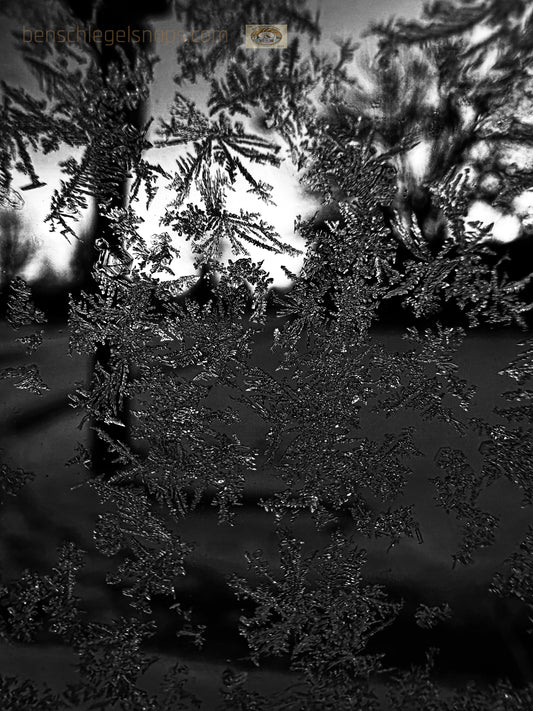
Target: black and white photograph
{"points": [[266, 355]]}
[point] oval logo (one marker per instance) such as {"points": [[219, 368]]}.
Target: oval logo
{"points": [[266, 36]]}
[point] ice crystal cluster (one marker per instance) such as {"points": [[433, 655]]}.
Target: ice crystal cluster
{"points": [[330, 447]]}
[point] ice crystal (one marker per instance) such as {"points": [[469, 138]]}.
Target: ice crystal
{"points": [[458, 492], [317, 609], [26, 377], [429, 362], [518, 581], [42, 603], [110, 661], [414, 689], [428, 617], [175, 695], [21, 310], [154, 553], [23, 695], [12, 481], [217, 161], [506, 453]]}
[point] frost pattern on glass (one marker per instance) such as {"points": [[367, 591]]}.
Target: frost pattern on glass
{"points": [[214, 400]]}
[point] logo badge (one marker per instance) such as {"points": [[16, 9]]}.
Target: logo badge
{"points": [[266, 36]]}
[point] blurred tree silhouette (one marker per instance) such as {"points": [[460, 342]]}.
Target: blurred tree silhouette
{"points": [[449, 93], [16, 248]]}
